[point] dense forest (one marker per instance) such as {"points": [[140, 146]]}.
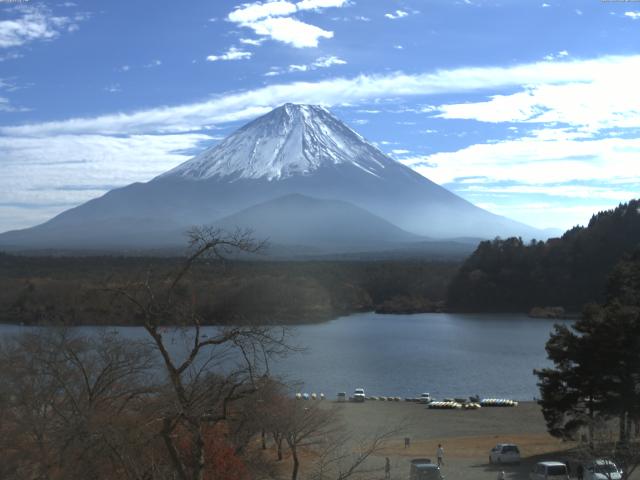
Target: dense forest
{"points": [[509, 275], [77, 290]]}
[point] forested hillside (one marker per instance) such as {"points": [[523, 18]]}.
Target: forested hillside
{"points": [[509, 275], [75, 290]]}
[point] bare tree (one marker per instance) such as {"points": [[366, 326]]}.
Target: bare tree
{"points": [[72, 406], [343, 456], [219, 368], [307, 427], [318, 430]]}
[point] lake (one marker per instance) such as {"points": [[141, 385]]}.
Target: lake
{"points": [[447, 355]]}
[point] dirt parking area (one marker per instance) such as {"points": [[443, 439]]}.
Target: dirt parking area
{"points": [[467, 436]]}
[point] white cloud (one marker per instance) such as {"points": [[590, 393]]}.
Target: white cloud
{"points": [[113, 88], [400, 151], [632, 15], [232, 54], [290, 30], [396, 15], [328, 61], [273, 20], [153, 63], [34, 23], [608, 81], [318, 4], [590, 105], [256, 42], [6, 106], [321, 62], [10, 56], [535, 161], [248, 13], [555, 56], [43, 176], [545, 5]]}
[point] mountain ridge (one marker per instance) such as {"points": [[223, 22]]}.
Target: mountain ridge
{"points": [[295, 149]]}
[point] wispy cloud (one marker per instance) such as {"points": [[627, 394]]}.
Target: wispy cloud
{"points": [[609, 81], [113, 88], [320, 62], [556, 56], [232, 54], [632, 15], [5, 103], [78, 168], [534, 161], [153, 64], [256, 42], [35, 23], [6, 106], [396, 15]]}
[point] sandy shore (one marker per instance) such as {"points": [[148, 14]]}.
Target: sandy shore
{"points": [[466, 435]]}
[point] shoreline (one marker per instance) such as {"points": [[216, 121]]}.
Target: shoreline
{"points": [[567, 316]]}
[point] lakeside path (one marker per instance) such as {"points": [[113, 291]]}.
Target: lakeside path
{"points": [[466, 435]]}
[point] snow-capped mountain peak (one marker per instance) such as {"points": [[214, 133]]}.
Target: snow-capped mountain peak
{"points": [[290, 140]]}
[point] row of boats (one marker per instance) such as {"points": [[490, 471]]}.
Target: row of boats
{"points": [[310, 396], [473, 405], [448, 403]]}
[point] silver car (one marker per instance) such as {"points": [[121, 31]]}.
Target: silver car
{"points": [[505, 453], [602, 470], [549, 471]]}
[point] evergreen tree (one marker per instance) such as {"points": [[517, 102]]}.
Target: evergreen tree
{"points": [[596, 373]]}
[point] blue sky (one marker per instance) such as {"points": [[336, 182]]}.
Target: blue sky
{"points": [[530, 109]]}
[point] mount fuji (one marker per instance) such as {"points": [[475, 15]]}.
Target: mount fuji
{"points": [[296, 161]]}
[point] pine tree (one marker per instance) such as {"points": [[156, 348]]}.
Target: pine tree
{"points": [[596, 373]]}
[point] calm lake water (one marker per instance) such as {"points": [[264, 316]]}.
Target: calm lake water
{"points": [[404, 355]]}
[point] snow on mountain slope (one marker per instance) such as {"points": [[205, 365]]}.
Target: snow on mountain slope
{"points": [[290, 140]]}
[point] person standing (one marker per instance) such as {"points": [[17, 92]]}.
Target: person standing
{"points": [[440, 455], [387, 469], [580, 472]]}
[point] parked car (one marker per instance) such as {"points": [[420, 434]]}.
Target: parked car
{"points": [[602, 470], [423, 469], [424, 398], [505, 453], [342, 396], [358, 395], [549, 471]]}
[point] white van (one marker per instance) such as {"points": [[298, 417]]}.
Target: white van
{"points": [[358, 395], [549, 471]]}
